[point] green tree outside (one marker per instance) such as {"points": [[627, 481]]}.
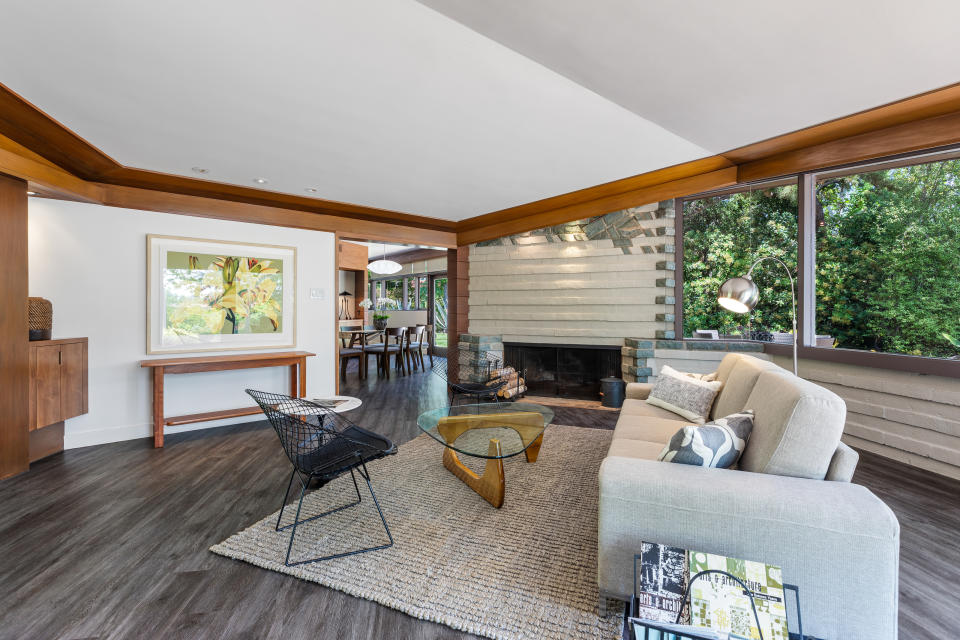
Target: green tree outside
{"points": [[888, 252]]}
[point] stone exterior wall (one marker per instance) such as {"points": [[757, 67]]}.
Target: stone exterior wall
{"points": [[593, 281], [472, 351], [909, 417], [642, 359]]}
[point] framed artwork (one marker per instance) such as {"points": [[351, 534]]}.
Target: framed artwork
{"points": [[210, 295]]}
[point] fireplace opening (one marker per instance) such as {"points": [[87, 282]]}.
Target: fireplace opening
{"points": [[567, 370]]}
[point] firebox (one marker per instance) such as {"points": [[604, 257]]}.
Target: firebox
{"points": [[567, 370]]}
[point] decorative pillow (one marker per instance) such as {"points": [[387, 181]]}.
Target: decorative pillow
{"points": [[683, 395], [706, 377], [715, 444]]}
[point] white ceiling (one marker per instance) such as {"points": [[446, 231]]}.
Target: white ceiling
{"points": [[391, 104], [726, 74]]}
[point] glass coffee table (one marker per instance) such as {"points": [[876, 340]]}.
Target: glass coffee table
{"points": [[492, 431]]}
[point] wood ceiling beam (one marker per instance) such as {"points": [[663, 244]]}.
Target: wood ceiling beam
{"points": [[614, 202], [150, 200], [26, 125], [42, 151], [412, 255]]}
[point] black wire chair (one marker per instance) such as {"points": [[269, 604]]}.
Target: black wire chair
{"points": [[322, 446], [486, 373]]}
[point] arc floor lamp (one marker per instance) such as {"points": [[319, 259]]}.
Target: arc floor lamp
{"points": [[741, 295]]}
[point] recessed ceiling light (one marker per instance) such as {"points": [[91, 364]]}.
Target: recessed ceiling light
{"points": [[310, 190], [31, 193], [260, 180], [199, 170]]}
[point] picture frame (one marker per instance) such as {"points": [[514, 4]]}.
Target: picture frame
{"points": [[219, 295]]}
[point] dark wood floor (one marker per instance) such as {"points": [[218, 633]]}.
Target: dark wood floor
{"points": [[111, 541]]}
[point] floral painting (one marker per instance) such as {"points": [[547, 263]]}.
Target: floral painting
{"points": [[207, 299]]}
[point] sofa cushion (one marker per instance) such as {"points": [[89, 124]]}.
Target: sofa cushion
{"points": [[796, 429], [684, 395], [717, 444], [643, 408], [739, 383], [726, 365], [649, 429], [641, 449]]}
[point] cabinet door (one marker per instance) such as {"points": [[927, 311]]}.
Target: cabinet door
{"points": [[72, 372], [47, 383]]}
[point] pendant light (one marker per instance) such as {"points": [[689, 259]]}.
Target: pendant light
{"points": [[384, 266]]}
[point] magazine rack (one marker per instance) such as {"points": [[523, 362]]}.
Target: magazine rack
{"points": [[655, 632]]}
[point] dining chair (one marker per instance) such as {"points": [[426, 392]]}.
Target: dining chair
{"points": [[349, 351], [413, 345], [392, 345], [430, 338], [371, 342]]}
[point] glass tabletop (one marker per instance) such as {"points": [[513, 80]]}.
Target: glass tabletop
{"points": [[469, 428]]}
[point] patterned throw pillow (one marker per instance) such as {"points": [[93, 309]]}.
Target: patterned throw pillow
{"points": [[715, 444], [683, 394]]}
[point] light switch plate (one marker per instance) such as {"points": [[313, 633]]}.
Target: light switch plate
{"points": [[317, 294]]}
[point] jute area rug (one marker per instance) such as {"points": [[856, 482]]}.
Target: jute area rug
{"points": [[527, 570]]}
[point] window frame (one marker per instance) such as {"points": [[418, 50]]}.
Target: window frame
{"points": [[806, 267], [410, 303]]}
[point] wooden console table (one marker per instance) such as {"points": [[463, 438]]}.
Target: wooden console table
{"points": [[296, 360]]}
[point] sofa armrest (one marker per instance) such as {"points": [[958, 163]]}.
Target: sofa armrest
{"points": [[639, 390], [837, 541]]}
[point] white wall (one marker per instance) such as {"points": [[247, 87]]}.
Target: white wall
{"points": [[90, 261], [406, 318]]}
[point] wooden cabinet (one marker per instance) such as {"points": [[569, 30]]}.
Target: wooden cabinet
{"points": [[58, 381]]}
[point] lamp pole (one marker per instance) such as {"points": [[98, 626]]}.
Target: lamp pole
{"points": [[793, 301]]}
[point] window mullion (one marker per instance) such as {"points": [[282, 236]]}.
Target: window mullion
{"points": [[806, 261]]}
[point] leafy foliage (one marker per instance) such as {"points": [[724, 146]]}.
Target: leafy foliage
{"points": [[888, 248], [722, 237]]}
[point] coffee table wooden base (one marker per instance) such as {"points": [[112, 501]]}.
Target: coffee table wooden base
{"points": [[490, 485]]}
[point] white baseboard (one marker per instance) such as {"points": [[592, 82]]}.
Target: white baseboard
{"points": [[89, 438]]}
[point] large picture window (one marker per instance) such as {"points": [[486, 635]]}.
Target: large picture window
{"points": [[722, 236], [875, 250], [887, 258]]}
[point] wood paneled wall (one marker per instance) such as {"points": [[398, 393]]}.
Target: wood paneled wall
{"points": [[458, 301], [14, 345]]}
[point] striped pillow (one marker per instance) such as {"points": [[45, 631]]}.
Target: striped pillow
{"points": [[717, 444]]}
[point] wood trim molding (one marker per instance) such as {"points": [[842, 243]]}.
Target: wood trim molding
{"points": [[32, 129], [903, 138], [149, 200], [606, 204], [413, 255], [57, 161], [924, 121]]}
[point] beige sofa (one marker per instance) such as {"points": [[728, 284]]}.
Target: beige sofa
{"points": [[789, 503]]}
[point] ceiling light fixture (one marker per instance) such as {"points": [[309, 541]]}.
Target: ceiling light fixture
{"points": [[260, 180], [384, 266], [199, 170], [31, 193], [310, 190]]}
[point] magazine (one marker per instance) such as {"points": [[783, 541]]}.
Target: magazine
{"points": [[719, 603], [664, 574], [716, 601]]}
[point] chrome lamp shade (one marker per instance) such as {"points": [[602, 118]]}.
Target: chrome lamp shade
{"points": [[739, 295]]}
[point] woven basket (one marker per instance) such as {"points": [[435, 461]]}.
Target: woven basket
{"points": [[40, 318]]}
